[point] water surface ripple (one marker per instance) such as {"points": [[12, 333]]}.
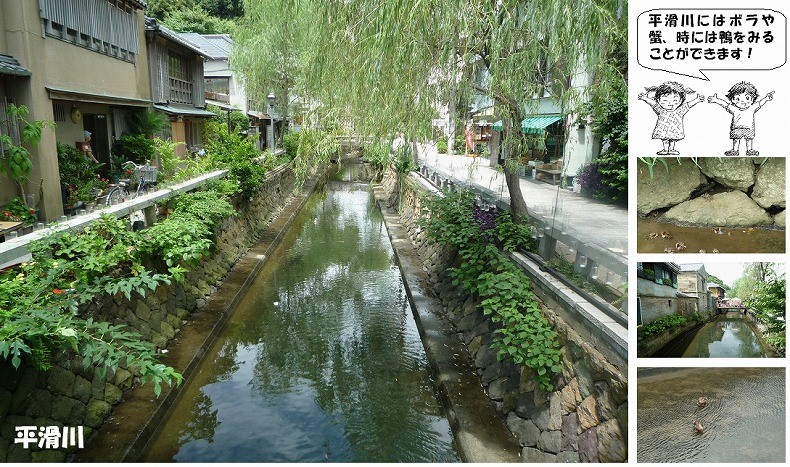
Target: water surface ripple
{"points": [[744, 420], [322, 360]]}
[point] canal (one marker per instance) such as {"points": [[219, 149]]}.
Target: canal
{"points": [[322, 359], [729, 335], [744, 420]]}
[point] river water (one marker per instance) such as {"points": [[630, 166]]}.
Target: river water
{"points": [[322, 360], [744, 420], [731, 240], [729, 335]]}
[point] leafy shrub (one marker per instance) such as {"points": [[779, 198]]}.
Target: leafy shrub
{"points": [[237, 154], [525, 336], [75, 168], [661, 325], [441, 146], [168, 161], [41, 302], [137, 148], [291, 143], [591, 181], [377, 155]]}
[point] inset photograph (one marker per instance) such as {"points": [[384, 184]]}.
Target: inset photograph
{"points": [[711, 205], [711, 310], [710, 415]]}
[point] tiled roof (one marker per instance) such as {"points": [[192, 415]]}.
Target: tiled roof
{"points": [[152, 24], [218, 46], [10, 66]]}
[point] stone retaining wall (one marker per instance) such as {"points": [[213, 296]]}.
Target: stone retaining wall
{"points": [[70, 395], [584, 419]]}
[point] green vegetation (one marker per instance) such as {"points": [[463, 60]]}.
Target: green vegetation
{"points": [[17, 211], [610, 121], [525, 336], [201, 16], [712, 278], [661, 325], [762, 288], [43, 304], [15, 158], [406, 58]]}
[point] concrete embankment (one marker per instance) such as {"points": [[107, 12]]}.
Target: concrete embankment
{"points": [[584, 419]]}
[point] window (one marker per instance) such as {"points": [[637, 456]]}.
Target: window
{"points": [[180, 75], [218, 85], [98, 25]]}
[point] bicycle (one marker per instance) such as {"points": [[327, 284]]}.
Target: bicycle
{"points": [[146, 176]]}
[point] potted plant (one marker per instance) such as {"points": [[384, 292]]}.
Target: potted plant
{"points": [[17, 211], [76, 171]]}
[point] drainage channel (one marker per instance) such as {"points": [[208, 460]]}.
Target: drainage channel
{"points": [[320, 361]]}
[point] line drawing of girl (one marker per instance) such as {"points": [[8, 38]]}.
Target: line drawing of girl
{"points": [[670, 104], [742, 105]]}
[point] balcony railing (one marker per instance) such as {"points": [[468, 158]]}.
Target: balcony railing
{"points": [[180, 91]]}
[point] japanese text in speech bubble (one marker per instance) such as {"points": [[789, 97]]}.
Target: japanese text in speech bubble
{"points": [[688, 41]]}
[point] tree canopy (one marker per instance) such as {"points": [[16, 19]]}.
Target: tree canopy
{"points": [[384, 66]]}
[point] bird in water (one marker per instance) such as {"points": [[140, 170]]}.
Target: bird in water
{"points": [[666, 234], [669, 250], [702, 402], [718, 230], [652, 235], [715, 250], [698, 426], [703, 251], [680, 246]]}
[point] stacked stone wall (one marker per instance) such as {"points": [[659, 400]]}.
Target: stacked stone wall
{"points": [[585, 417], [70, 395]]}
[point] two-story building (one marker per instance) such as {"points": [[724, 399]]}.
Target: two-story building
{"points": [[657, 292], [693, 281], [81, 65], [177, 84]]}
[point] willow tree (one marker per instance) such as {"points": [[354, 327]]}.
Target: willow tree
{"points": [[385, 65]]}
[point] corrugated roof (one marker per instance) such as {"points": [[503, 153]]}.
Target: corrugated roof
{"points": [[10, 66], [178, 110], [216, 45]]}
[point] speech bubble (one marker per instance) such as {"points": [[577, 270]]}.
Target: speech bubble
{"points": [[689, 41]]}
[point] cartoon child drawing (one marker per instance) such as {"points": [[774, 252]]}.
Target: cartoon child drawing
{"points": [[670, 104], [743, 104]]}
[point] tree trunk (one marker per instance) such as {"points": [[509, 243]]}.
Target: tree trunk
{"points": [[512, 149], [451, 120]]}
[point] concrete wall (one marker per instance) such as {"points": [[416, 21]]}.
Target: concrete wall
{"points": [[584, 419], [70, 395]]}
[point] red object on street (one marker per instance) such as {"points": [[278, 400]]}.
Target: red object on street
{"points": [[468, 136]]}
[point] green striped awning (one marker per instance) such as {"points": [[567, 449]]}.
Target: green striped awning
{"points": [[533, 124]]}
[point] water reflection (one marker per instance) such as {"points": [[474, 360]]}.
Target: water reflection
{"points": [[730, 335], [322, 360], [744, 420]]}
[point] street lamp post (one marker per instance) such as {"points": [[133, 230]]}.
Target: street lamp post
{"points": [[271, 98]]}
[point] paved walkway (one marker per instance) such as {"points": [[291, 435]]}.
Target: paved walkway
{"points": [[583, 218]]}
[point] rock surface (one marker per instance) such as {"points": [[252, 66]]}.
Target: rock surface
{"points": [[779, 219], [769, 188], [738, 173], [667, 187], [731, 209]]}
